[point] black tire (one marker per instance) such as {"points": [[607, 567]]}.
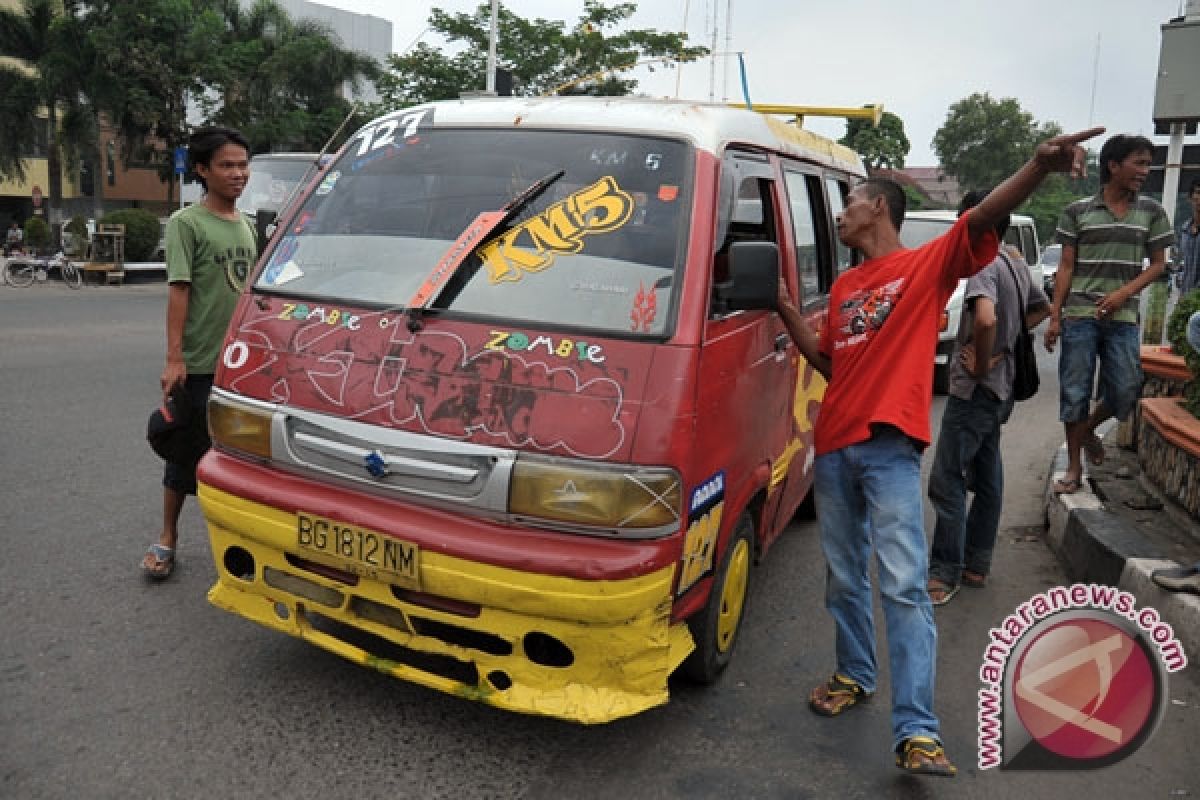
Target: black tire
{"points": [[715, 627], [71, 275], [19, 274]]}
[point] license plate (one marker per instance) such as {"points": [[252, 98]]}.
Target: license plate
{"points": [[359, 550]]}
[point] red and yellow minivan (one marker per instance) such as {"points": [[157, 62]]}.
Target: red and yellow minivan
{"points": [[505, 411]]}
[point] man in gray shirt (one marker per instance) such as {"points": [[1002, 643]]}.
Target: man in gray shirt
{"points": [[980, 401]]}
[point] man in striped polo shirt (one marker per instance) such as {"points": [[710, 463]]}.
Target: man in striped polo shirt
{"points": [[1095, 308]]}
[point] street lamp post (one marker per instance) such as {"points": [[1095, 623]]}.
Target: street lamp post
{"points": [[491, 60]]}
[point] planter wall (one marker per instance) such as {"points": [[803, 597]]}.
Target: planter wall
{"points": [[1168, 449], [1166, 375]]}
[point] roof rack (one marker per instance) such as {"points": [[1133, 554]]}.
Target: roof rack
{"points": [[872, 112]]}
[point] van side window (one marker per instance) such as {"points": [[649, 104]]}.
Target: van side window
{"points": [[753, 220], [804, 229], [836, 191]]}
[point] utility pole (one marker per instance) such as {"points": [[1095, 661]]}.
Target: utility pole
{"points": [[491, 60]]}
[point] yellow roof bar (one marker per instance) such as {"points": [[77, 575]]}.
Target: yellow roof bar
{"points": [[872, 112]]}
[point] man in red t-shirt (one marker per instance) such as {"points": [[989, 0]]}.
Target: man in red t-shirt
{"points": [[875, 349]]}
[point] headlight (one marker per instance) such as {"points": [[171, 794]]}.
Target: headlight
{"points": [[642, 501], [240, 428]]}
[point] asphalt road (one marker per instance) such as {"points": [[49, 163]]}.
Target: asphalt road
{"points": [[114, 688]]}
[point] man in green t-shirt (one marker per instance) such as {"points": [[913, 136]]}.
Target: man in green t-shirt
{"points": [[210, 249], [1106, 239]]}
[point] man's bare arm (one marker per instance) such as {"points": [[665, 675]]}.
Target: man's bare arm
{"points": [[1059, 154], [806, 339]]}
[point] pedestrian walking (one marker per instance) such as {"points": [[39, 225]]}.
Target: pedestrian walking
{"points": [[1095, 308], [1189, 244], [210, 247], [980, 400], [873, 426]]}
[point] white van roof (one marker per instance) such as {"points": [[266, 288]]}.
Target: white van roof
{"points": [[950, 216], [708, 126]]}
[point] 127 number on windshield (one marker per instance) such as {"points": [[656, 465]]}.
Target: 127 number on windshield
{"points": [[384, 133]]}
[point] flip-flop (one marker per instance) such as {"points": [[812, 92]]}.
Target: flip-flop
{"points": [[945, 590], [1067, 485], [163, 563], [1094, 449]]}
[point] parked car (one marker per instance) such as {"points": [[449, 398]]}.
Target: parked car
{"points": [[921, 226], [1051, 256]]}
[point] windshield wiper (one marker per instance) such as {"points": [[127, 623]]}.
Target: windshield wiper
{"points": [[484, 228]]}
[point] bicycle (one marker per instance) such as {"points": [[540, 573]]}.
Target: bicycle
{"points": [[22, 271]]}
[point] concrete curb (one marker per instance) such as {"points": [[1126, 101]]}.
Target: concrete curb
{"points": [[1096, 546]]}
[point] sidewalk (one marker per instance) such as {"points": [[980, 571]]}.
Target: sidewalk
{"points": [[1118, 528]]}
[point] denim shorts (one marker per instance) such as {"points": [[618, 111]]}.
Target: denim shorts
{"points": [[1117, 345], [182, 477]]}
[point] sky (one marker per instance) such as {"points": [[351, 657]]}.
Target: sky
{"points": [[1075, 62]]}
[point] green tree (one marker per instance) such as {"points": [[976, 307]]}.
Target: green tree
{"points": [[46, 81], [983, 140], [156, 56], [882, 146], [916, 200], [543, 56], [279, 80]]}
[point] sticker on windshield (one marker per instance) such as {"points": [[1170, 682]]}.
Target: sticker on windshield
{"points": [[645, 308], [392, 130], [330, 181], [559, 230]]}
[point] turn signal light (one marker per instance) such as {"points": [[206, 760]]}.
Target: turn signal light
{"points": [[239, 428]]}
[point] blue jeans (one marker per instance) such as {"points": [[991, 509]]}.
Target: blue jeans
{"points": [[1118, 346], [869, 495], [967, 457]]}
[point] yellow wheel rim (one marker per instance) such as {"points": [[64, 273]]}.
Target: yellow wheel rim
{"points": [[733, 595]]}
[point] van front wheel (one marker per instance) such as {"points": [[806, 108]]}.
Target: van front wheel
{"points": [[715, 628]]}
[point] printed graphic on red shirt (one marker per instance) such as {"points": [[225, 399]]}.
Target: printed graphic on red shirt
{"points": [[865, 311]]}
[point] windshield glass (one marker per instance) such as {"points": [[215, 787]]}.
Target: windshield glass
{"points": [[272, 181], [916, 232], [596, 249], [1052, 255]]}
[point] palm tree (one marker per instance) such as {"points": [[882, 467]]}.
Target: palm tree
{"points": [[44, 79], [280, 78]]}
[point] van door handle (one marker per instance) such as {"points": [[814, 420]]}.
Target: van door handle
{"points": [[781, 342]]}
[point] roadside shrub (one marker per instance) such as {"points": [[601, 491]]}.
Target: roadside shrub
{"points": [[75, 236], [1177, 336], [141, 231], [37, 233]]}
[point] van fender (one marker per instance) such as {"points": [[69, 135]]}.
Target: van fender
{"points": [[750, 495]]}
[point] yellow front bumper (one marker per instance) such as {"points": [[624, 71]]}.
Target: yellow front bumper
{"points": [[583, 650]]}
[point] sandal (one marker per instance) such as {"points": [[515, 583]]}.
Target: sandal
{"points": [[924, 755], [940, 592], [159, 562], [973, 580], [836, 695], [1094, 448], [1067, 485]]}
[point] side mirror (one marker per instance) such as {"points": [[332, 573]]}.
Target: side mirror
{"points": [[264, 226], [753, 278]]}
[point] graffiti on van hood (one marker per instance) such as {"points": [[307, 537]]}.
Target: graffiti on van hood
{"points": [[549, 392]]}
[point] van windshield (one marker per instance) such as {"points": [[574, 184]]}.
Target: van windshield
{"points": [[596, 249]]}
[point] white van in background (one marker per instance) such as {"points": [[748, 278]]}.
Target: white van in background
{"points": [[921, 226]]}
